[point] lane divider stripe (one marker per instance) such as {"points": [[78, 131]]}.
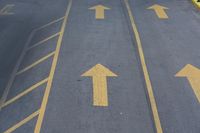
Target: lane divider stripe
{"points": [[145, 71]]}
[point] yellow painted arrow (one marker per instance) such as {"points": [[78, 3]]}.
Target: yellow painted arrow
{"points": [[100, 11], [193, 75], [160, 11], [99, 74]]}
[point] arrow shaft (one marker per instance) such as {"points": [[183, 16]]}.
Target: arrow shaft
{"points": [[161, 13], [195, 83], [100, 14], [100, 94]]}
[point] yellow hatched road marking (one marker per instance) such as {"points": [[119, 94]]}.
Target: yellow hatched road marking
{"points": [[35, 63], [10, 130], [145, 71], [13, 74], [54, 63], [41, 42], [46, 25], [24, 93]]}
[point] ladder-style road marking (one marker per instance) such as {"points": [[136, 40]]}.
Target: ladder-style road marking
{"points": [[27, 119], [3, 101], [35, 63], [30, 89], [52, 71]]}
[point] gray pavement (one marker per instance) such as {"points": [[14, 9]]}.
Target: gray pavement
{"points": [[44, 53]]}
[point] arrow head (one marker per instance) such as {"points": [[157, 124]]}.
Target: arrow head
{"points": [[189, 71], [99, 70], [99, 7], [156, 6]]}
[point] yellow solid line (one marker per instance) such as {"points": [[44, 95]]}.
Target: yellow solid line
{"points": [[13, 74], [41, 42], [145, 71], [35, 63], [46, 25], [27, 119], [24, 93], [54, 63]]}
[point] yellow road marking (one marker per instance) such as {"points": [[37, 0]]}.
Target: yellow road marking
{"points": [[41, 42], [27, 119], [6, 10], [193, 75], [99, 11], [24, 93], [13, 74], [54, 63], [99, 73], [160, 11], [35, 63], [46, 25], [145, 71]]}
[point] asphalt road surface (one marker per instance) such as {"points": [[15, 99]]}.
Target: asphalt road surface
{"points": [[99, 66]]}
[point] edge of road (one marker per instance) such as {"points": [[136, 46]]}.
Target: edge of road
{"points": [[196, 3]]}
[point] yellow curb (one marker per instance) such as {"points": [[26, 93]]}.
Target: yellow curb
{"points": [[196, 3]]}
